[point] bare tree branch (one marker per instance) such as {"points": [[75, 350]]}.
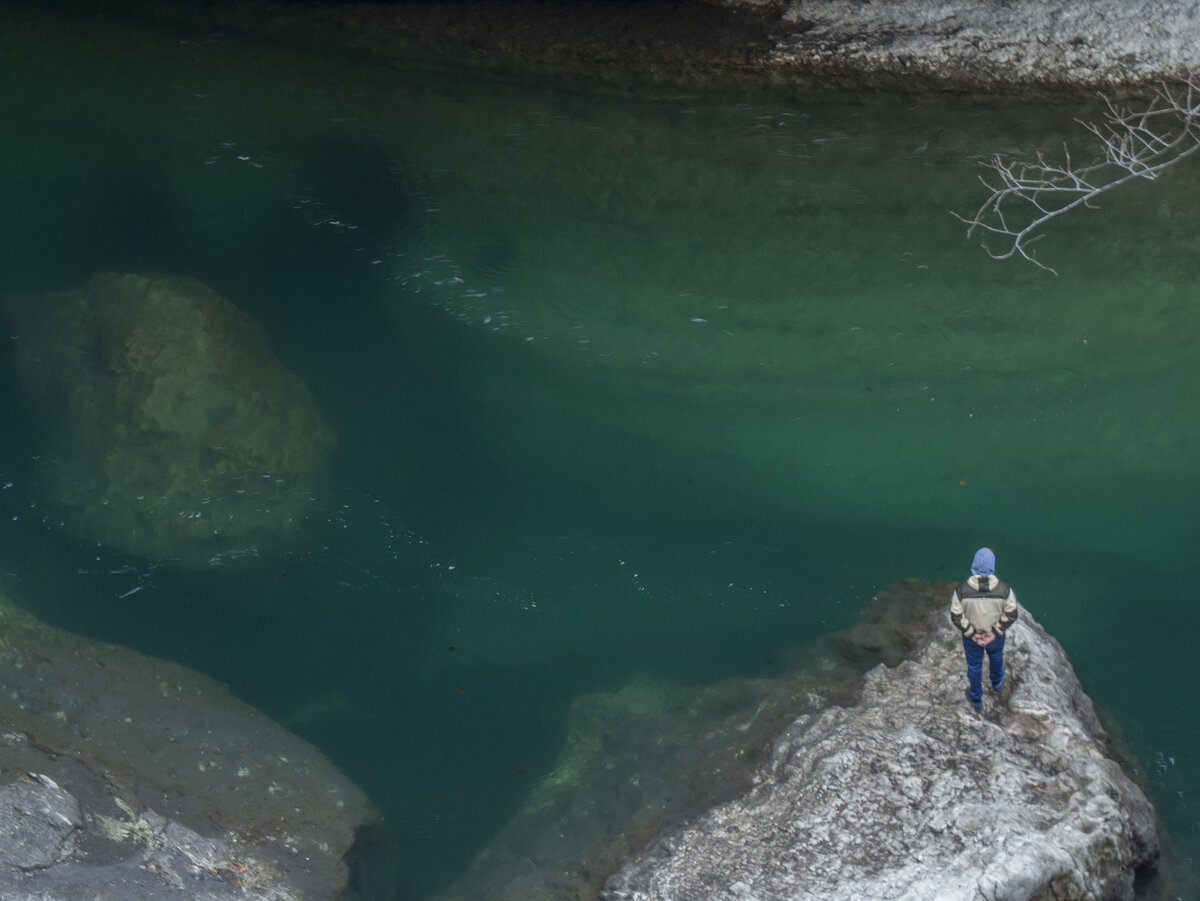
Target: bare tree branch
{"points": [[1136, 144]]}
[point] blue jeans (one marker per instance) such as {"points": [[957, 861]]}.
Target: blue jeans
{"points": [[995, 655]]}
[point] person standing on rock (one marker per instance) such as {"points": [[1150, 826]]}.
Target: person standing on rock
{"points": [[983, 608]]}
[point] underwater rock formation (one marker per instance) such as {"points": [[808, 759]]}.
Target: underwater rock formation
{"points": [[123, 778], [171, 428], [911, 794]]}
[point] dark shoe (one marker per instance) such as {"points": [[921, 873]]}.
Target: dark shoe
{"points": [[1006, 681], [978, 705]]}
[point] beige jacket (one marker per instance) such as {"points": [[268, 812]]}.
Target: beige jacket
{"points": [[983, 604]]}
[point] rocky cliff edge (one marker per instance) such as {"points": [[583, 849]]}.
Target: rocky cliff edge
{"points": [[911, 795]]}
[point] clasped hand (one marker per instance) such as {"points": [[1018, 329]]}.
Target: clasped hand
{"points": [[983, 639]]}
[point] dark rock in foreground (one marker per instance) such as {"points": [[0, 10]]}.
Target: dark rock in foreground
{"points": [[124, 778], [910, 794]]}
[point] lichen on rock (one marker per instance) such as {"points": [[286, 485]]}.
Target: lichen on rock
{"points": [[171, 428]]}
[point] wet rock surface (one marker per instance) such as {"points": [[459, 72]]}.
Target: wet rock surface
{"points": [[911, 794], [127, 777], [171, 428]]}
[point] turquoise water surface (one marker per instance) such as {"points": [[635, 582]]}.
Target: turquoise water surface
{"points": [[624, 387]]}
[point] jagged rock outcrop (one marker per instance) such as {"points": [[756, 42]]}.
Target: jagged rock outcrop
{"points": [[825, 779], [127, 778], [641, 758], [171, 428], [911, 795]]}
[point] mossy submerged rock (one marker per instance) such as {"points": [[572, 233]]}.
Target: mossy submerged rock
{"points": [[171, 428], [124, 777]]}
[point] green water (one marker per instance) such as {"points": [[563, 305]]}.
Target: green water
{"points": [[659, 386]]}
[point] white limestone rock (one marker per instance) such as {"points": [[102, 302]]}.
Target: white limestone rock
{"points": [[911, 795], [991, 43]]}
